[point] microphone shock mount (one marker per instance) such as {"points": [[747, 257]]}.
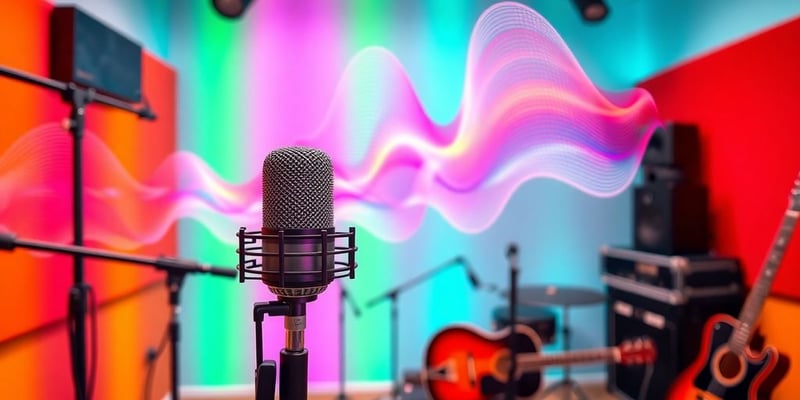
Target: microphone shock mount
{"points": [[294, 288]]}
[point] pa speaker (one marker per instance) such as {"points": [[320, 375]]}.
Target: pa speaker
{"points": [[676, 330], [671, 219], [85, 51], [673, 153]]}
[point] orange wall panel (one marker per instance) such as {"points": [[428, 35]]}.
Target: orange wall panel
{"points": [[34, 351]]}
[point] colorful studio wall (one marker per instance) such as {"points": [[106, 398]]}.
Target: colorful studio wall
{"points": [[456, 128]]}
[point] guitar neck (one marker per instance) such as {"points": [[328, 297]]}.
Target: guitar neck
{"points": [[755, 300], [536, 361]]}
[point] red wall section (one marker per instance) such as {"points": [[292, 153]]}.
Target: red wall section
{"points": [[745, 99]]}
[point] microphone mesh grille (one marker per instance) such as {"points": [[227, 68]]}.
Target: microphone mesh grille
{"points": [[298, 189]]}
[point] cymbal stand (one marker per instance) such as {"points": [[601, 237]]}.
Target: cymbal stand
{"points": [[391, 295], [511, 382], [344, 299], [568, 383]]}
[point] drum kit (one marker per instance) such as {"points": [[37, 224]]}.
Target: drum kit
{"points": [[564, 297]]}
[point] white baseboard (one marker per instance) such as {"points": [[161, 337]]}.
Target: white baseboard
{"points": [[247, 390]]}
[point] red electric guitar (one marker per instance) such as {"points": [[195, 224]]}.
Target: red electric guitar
{"points": [[464, 363], [727, 367]]}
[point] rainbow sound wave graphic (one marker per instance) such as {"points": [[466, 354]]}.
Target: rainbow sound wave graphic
{"points": [[35, 179], [528, 111]]}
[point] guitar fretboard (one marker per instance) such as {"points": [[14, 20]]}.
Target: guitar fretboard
{"points": [[758, 294], [537, 361]]}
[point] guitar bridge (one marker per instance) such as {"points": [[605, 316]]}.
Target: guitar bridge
{"points": [[471, 373]]}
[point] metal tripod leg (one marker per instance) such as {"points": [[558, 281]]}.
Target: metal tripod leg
{"points": [[568, 385]]}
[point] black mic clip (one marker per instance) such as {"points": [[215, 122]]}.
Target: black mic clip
{"points": [[145, 112], [266, 370]]}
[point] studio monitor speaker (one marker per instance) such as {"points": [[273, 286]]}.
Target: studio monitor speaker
{"points": [[85, 51], [673, 153], [671, 218]]}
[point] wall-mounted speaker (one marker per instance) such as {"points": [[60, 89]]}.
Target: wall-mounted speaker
{"points": [[671, 218]]}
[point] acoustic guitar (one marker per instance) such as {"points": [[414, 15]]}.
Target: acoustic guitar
{"points": [[465, 363], [727, 367]]}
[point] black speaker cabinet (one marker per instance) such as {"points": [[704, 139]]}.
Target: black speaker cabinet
{"points": [[673, 152], [671, 218], [676, 330], [85, 51]]}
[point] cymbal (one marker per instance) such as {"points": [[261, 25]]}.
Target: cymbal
{"points": [[557, 295]]}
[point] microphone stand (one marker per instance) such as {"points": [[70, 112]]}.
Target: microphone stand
{"points": [[176, 271], [294, 384], [391, 295], [344, 299], [511, 383], [174, 284], [78, 99]]}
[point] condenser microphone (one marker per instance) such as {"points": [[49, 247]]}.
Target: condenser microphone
{"points": [[297, 208], [296, 257]]}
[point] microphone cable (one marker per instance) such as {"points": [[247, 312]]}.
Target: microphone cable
{"points": [[80, 387], [152, 360], [648, 375]]}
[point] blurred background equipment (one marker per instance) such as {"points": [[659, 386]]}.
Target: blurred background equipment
{"points": [[592, 10], [666, 298], [671, 206], [392, 295], [231, 8], [85, 51]]}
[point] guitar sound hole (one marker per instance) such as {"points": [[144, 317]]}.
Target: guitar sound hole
{"points": [[730, 365]]}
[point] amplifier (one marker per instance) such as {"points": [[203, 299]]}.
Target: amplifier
{"points": [[672, 279], [85, 51], [676, 330]]}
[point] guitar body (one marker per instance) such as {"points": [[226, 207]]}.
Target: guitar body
{"points": [[464, 364], [728, 367], [718, 373]]}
